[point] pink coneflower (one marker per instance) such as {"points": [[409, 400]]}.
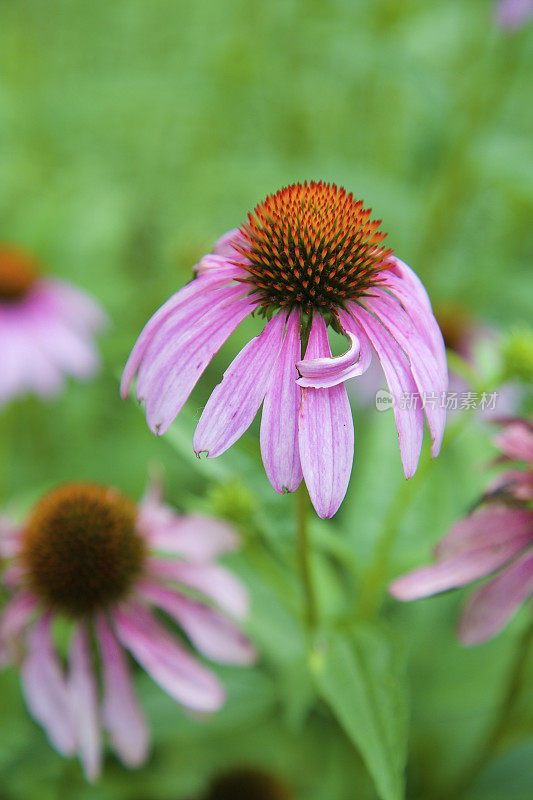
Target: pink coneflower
{"points": [[87, 553], [47, 329], [513, 13], [497, 537], [308, 258]]}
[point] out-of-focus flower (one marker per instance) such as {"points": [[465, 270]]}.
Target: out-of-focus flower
{"points": [[47, 329], [513, 13], [499, 536], [88, 554], [247, 784], [309, 257], [481, 348]]}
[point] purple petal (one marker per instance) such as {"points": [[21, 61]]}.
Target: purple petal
{"points": [[322, 373], [516, 441], [513, 13], [169, 664], [492, 606], [326, 435], [165, 345], [215, 582], [431, 381], [46, 690], [179, 300], [422, 317], [225, 245], [121, 713], [16, 614], [197, 538], [233, 404], [10, 535], [193, 350], [489, 527], [279, 421], [83, 693], [76, 307], [209, 631], [409, 421]]}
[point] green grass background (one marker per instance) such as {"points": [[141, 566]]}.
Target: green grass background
{"points": [[132, 134]]}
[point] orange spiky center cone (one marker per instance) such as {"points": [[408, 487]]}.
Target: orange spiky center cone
{"points": [[81, 549], [312, 246], [18, 273]]}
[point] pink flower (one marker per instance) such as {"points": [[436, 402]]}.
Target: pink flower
{"points": [[498, 537], [89, 554], [47, 329], [308, 258], [513, 13]]}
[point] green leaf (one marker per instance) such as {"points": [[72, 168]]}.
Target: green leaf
{"points": [[362, 680]]}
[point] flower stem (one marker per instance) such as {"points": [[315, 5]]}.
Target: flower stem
{"points": [[499, 726], [373, 582], [302, 507]]}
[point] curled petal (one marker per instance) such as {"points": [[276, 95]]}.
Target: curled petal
{"points": [[322, 373]]}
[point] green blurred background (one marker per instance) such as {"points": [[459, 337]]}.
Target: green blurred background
{"points": [[132, 134]]}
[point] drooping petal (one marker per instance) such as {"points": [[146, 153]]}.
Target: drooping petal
{"points": [[215, 582], [279, 420], [170, 665], [233, 404], [200, 286], [46, 689], [490, 527], [516, 441], [210, 632], [196, 347], [492, 606], [75, 306], [165, 344], [10, 535], [17, 613], [326, 434], [197, 538], [409, 421], [121, 713], [430, 379], [408, 289], [84, 700]]}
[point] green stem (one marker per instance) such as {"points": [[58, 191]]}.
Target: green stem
{"points": [[376, 576], [302, 508], [499, 726]]}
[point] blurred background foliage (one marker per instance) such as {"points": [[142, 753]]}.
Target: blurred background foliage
{"points": [[134, 133]]}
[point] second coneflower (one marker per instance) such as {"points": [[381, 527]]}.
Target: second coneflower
{"points": [[88, 554], [308, 258]]}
